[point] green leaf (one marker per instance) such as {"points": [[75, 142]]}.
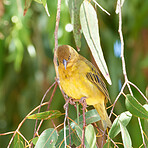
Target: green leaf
{"points": [[27, 5], [146, 92], [34, 140], [135, 107], [38, 1], [18, 142], [48, 138], [145, 106], [108, 144], [74, 8], [74, 138], [52, 114], [90, 136], [44, 2], [79, 129], [89, 24], [125, 137], [90, 116], [76, 130], [123, 118], [45, 6]]}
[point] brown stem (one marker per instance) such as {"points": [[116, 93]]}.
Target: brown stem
{"points": [[19, 126], [84, 121], [41, 104]]}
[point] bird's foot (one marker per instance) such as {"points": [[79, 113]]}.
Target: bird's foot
{"points": [[83, 101], [57, 80]]}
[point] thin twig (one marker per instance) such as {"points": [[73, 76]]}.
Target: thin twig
{"points": [[130, 90], [23, 137], [101, 7], [40, 106], [56, 37], [8, 133], [106, 135], [141, 132], [122, 45], [39, 127], [139, 91], [69, 132], [66, 115], [83, 101], [50, 100], [19, 126], [117, 98]]}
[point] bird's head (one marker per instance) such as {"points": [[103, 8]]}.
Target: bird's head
{"points": [[66, 55]]}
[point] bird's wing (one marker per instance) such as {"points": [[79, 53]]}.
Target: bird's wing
{"points": [[94, 76]]}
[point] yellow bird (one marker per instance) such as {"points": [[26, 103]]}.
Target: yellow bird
{"points": [[79, 78]]}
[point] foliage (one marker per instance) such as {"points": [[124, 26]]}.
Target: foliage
{"points": [[26, 71]]}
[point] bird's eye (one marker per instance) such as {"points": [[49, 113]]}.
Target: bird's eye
{"points": [[58, 62]]}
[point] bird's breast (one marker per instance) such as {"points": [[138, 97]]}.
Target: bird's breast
{"points": [[76, 85]]}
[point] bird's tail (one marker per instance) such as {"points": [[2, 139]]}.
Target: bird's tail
{"points": [[103, 114]]}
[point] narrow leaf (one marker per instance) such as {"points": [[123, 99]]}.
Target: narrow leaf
{"points": [[46, 9], [76, 130], [89, 24], [74, 8], [27, 5], [90, 116], [38, 1], [52, 114], [108, 144], [60, 141], [90, 136], [135, 107], [18, 142], [44, 2], [125, 137], [79, 129], [145, 106], [48, 138], [123, 118], [34, 140]]}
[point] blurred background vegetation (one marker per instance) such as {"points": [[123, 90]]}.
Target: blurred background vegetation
{"points": [[26, 58]]}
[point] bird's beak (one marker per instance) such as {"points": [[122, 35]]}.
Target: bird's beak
{"points": [[65, 63]]}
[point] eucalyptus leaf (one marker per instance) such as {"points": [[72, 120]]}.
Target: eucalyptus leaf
{"points": [[38, 1], [27, 5], [52, 114], [76, 130], [60, 142], [34, 140], [135, 107], [48, 138], [90, 136], [89, 24], [74, 8], [127, 142], [79, 129], [108, 144], [44, 2], [18, 142], [145, 106], [123, 118]]}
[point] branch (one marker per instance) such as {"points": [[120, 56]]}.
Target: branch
{"points": [[141, 132], [19, 126], [56, 37], [41, 104]]}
